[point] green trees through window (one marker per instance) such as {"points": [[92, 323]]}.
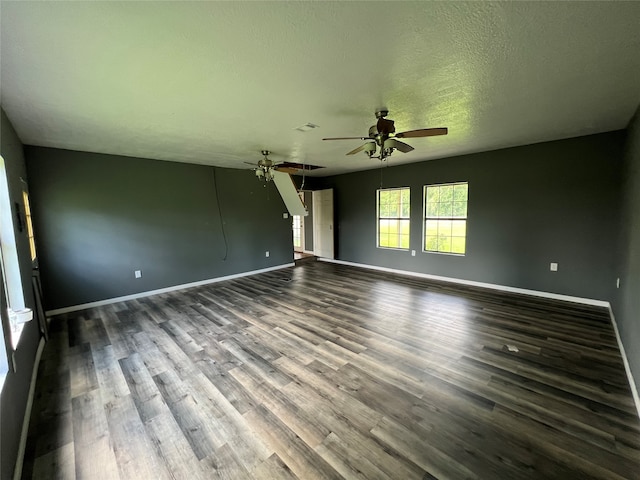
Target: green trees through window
{"points": [[394, 210], [446, 217]]}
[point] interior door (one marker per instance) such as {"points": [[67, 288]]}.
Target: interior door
{"points": [[323, 223]]}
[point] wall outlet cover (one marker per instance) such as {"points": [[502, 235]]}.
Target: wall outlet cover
{"points": [[413, 253], [137, 273], [553, 267], [266, 254]]}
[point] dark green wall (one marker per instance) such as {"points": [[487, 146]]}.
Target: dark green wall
{"points": [[626, 307], [100, 217], [528, 206], [16, 388]]}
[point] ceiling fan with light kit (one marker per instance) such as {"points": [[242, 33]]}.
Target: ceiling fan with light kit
{"points": [[383, 135], [280, 173], [264, 168]]}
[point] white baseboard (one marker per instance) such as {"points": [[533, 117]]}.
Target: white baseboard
{"points": [[148, 293], [627, 367], [493, 286], [17, 471]]}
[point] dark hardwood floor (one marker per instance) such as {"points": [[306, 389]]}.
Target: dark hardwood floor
{"points": [[326, 371]]}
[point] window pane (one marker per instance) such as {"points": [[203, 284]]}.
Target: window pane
{"points": [[459, 209], [384, 196], [460, 193], [404, 241], [406, 209], [432, 209], [404, 194], [433, 194], [444, 243], [459, 228], [444, 227], [445, 209], [392, 242], [431, 228], [458, 245], [404, 227], [385, 211], [383, 240], [431, 243], [446, 193], [394, 227], [394, 210]]}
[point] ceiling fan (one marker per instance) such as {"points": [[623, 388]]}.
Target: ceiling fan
{"points": [[383, 134], [264, 168], [280, 174]]}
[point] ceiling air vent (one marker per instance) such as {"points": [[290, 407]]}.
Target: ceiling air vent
{"points": [[306, 127]]}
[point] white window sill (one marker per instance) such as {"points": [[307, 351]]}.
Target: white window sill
{"points": [[17, 319]]}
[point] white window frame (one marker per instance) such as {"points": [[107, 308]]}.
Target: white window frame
{"points": [[426, 218], [17, 311], [400, 218]]}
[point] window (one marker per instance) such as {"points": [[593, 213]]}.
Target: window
{"points": [[297, 232], [27, 214], [445, 212], [394, 210], [11, 279]]}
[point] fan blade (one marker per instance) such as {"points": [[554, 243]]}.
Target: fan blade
{"points": [[403, 147], [423, 132], [249, 163], [287, 170], [357, 150], [346, 138]]}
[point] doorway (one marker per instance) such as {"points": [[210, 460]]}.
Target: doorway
{"points": [[298, 233], [303, 229]]}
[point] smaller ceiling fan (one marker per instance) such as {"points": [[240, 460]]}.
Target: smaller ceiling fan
{"points": [[383, 134], [280, 174], [264, 168]]}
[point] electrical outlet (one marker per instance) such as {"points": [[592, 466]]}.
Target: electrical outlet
{"points": [[553, 267], [413, 253], [266, 254], [137, 273], [285, 215]]}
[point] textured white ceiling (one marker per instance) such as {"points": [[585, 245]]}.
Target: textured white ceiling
{"points": [[216, 82]]}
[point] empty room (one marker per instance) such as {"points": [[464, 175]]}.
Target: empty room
{"points": [[320, 240]]}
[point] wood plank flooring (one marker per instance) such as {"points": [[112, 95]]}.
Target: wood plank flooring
{"points": [[326, 372]]}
